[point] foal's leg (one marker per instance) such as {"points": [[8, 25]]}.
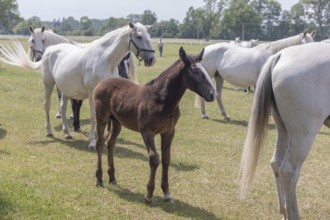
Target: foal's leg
{"points": [[219, 84], [166, 141], [277, 160], [148, 138], [65, 124], [100, 127], [114, 132]]}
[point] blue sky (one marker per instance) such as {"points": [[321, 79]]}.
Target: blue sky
{"points": [[48, 10]]}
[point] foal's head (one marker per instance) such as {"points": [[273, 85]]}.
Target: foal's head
{"points": [[37, 42], [140, 44], [195, 76]]}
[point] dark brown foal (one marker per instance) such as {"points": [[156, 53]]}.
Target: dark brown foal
{"points": [[151, 109]]}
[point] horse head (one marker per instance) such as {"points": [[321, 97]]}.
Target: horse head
{"points": [[307, 37], [37, 42], [140, 44], [195, 76]]}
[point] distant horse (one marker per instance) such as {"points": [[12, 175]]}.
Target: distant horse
{"points": [[236, 41], [249, 44], [241, 66], [76, 71], [294, 87], [151, 109], [41, 38]]}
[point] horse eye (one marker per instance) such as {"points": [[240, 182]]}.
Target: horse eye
{"points": [[139, 37], [43, 41], [33, 41]]}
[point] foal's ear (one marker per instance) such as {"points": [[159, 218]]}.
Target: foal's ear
{"points": [[200, 56], [43, 28], [183, 55], [31, 29]]}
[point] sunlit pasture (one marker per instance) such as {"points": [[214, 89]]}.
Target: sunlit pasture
{"points": [[54, 178]]}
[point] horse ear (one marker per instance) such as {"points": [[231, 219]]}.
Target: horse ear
{"points": [[200, 56], [183, 55], [305, 32], [131, 25], [148, 26], [43, 29], [313, 33], [31, 29]]}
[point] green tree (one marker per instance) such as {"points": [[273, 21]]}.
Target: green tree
{"points": [[298, 18], [85, 26], [9, 15], [23, 27], [148, 17], [318, 11], [240, 19], [189, 28]]}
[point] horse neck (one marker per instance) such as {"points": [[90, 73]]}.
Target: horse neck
{"points": [[53, 39], [169, 86], [284, 43], [113, 45]]}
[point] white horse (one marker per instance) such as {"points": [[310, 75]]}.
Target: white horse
{"points": [[41, 38], [76, 71], [326, 41], [249, 44], [294, 87], [241, 66]]}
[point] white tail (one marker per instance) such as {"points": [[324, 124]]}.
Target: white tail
{"points": [[258, 125], [17, 56], [132, 70]]}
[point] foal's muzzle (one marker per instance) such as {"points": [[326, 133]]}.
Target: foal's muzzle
{"points": [[209, 97]]}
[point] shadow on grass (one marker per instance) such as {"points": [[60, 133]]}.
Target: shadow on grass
{"points": [[3, 132], [240, 123], [6, 207], [178, 208]]}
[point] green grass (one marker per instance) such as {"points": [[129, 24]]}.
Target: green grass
{"points": [[54, 178]]}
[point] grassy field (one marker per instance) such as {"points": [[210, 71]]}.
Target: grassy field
{"points": [[54, 178]]}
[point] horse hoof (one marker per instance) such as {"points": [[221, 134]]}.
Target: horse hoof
{"points": [[58, 116], [113, 182], [99, 184], [147, 200], [49, 135], [68, 137], [205, 117], [226, 118], [77, 130], [168, 198]]}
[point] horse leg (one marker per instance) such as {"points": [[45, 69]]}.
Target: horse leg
{"points": [[48, 92], [65, 124], [166, 141], [148, 138], [59, 95], [114, 132], [219, 84], [298, 150], [101, 124], [277, 159], [76, 105], [92, 142]]}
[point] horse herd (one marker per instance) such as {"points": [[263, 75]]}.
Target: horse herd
{"points": [[292, 84]]}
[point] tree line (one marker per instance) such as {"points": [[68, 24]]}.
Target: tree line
{"points": [[217, 19]]}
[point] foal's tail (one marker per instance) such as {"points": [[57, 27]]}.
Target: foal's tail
{"points": [[17, 56], [258, 124]]}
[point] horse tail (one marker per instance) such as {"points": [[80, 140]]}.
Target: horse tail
{"points": [[132, 70], [17, 56], [198, 101], [258, 124]]}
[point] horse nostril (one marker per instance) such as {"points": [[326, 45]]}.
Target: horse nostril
{"points": [[211, 96]]}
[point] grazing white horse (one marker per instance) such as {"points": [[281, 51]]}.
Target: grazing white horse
{"points": [[294, 87], [76, 71], [241, 66]]}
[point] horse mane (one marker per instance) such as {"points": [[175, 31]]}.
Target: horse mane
{"points": [[284, 43], [167, 73]]}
